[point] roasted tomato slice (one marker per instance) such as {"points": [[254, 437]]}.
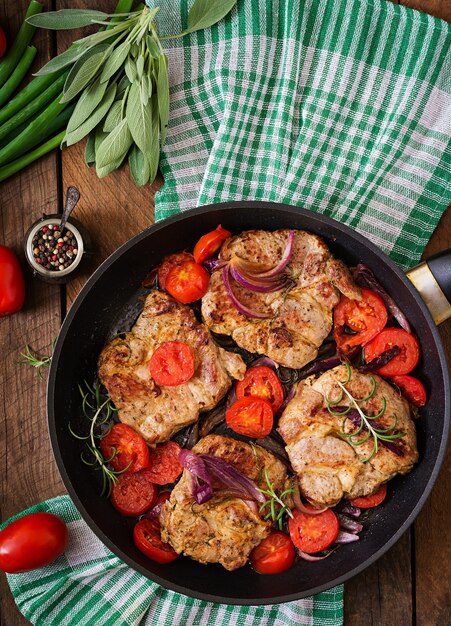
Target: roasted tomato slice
{"points": [[251, 416], [147, 538], [187, 282], [365, 318], [313, 533], [412, 389], [261, 382], [164, 466], [274, 554], [210, 243], [367, 502], [407, 359], [172, 364], [168, 263], [124, 449], [134, 494]]}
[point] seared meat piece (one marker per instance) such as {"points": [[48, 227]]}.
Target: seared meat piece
{"points": [[226, 528], [327, 466], [301, 316], [159, 412]]}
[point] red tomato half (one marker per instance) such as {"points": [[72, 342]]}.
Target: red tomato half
{"points": [[313, 533], [164, 466], [32, 541], [367, 502], [2, 42], [134, 494], [126, 448], [412, 389], [172, 364], [250, 416], [147, 538], [366, 317], [261, 382], [187, 282], [210, 243], [405, 362], [168, 263], [12, 286], [274, 554]]}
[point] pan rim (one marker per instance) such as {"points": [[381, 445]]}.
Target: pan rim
{"points": [[78, 302]]}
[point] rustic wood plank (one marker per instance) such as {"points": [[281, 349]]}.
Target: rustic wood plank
{"points": [[439, 8], [27, 472]]}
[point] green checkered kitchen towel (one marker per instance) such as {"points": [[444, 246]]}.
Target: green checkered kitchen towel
{"points": [[339, 106]]}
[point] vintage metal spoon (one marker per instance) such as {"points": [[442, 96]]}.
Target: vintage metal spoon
{"points": [[72, 197]]}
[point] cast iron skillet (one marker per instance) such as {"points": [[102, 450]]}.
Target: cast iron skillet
{"points": [[109, 303]]}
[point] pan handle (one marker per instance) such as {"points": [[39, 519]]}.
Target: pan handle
{"points": [[432, 279]]}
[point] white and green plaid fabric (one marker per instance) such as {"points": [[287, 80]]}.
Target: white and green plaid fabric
{"points": [[340, 106]]}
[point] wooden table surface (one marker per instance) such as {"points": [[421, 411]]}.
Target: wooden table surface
{"points": [[409, 585]]}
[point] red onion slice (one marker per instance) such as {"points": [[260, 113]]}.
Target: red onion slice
{"points": [[301, 506], [312, 558], [253, 284], [281, 265], [351, 525], [349, 509], [240, 307], [381, 360], [202, 489], [232, 478], [344, 537]]}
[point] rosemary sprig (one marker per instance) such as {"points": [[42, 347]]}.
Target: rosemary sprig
{"points": [[36, 360], [275, 513], [97, 408], [366, 421]]}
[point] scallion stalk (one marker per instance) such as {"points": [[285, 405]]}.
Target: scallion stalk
{"points": [[30, 157], [18, 74]]}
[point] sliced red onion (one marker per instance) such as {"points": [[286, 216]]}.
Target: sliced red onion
{"points": [[349, 509], [202, 483], [290, 395], [264, 360], [381, 360], [354, 416], [254, 284], [231, 398], [301, 506], [346, 523], [240, 307], [212, 419], [311, 557], [193, 437], [232, 478], [285, 259], [344, 537], [320, 366], [154, 511], [364, 277], [211, 265]]}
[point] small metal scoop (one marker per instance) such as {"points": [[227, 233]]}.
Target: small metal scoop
{"points": [[72, 197]]}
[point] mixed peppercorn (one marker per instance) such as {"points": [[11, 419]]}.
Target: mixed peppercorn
{"points": [[55, 250]]}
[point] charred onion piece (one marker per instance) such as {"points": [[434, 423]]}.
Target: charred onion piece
{"points": [[351, 525], [213, 419], [381, 360]]}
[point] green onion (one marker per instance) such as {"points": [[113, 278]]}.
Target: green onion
{"points": [[26, 32], [30, 157], [18, 75]]}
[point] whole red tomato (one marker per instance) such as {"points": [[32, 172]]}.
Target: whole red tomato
{"points": [[2, 42], [32, 541], [12, 286]]}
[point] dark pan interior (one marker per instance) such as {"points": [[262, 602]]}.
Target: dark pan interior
{"points": [[109, 301]]}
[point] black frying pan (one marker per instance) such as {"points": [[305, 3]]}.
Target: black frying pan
{"points": [[108, 302]]}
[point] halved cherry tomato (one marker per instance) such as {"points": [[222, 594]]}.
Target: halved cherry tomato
{"points": [[210, 243], [366, 317], [187, 282], [2, 42], [169, 262], [261, 382], [172, 364], [412, 389], [313, 533], [124, 449], [274, 554], [164, 466], [407, 359], [134, 494], [147, 538], [251, 416], [32, 541], [367, 502]]}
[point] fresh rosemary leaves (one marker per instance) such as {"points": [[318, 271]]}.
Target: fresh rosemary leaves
{"points": [[36, 360], [276, 503]]}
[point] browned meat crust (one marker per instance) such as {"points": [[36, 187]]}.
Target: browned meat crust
{"points": [[225, 529], [159, 412]]}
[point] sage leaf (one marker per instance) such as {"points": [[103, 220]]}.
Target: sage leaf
{"points": [[66, 19], [107, 169], [130, 69], [152, 47], [83, 71], [64, 59], [139, 119], [115, 61], [154, 153], [90, 150], [205, 13], [88, 101], [114, 117], [100, 136], [143, 92], [163, 95], [115, 146], [139, 166], [95, 118], [140, 67]]}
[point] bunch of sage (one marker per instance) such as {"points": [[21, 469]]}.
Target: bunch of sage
{"points": [[119, 80]]}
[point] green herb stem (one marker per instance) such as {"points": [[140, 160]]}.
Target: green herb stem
{"points": [[31, 157], [18, 74]]}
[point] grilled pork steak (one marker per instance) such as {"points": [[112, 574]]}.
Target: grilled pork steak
{"points": [[156, 412], [301, 315], [224, 529], [327, 466]]}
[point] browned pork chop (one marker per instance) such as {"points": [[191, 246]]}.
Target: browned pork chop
{"points": [[327, 466], [301, 316], [224, 529], [159, 412]]}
